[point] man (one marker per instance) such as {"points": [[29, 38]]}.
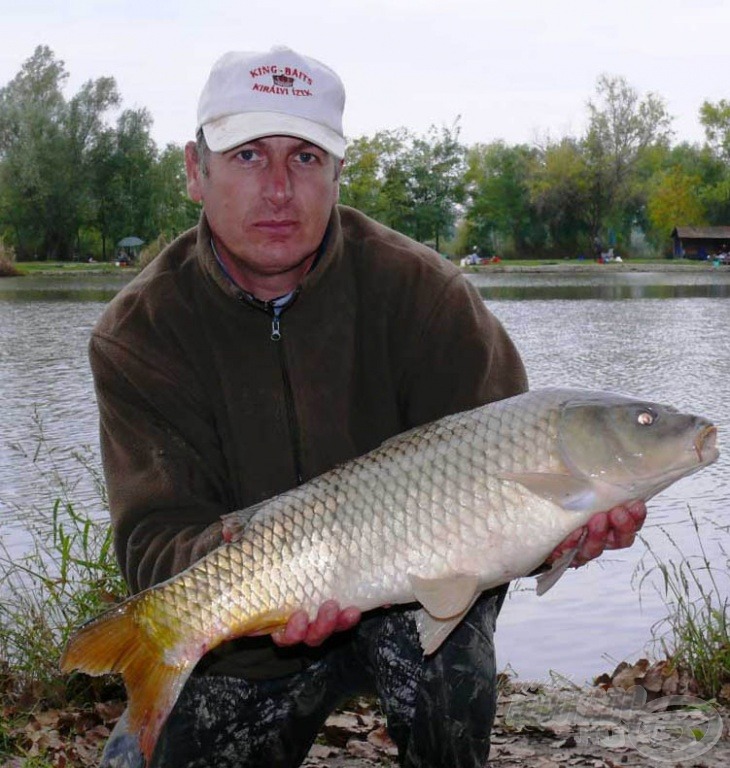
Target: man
{"points": [[286, 334]]}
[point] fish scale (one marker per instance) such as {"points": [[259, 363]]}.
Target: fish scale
{"points": [[433, 516]]}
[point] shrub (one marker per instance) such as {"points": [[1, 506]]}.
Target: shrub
{"points": [[149, 253], [7, 261]]}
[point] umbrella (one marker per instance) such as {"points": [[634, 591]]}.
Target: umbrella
{"points": [[130, 242]]}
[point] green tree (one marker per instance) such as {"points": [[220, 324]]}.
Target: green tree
{"points": [[174, 211], [675, 200], [410, 183], [715, 119], [622, 126], [716, 196], [686, 184], [72, 184], [31, 113], [134, 181], [361, 181], [45, 143], [500, 212], [559, 190]]}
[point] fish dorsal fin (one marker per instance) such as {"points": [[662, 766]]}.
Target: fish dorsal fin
{"points": [[571, 493], [547, 580], [432, 632], [445, 597]]}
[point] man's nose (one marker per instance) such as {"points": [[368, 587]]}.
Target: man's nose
{"points": [[278, 185]]}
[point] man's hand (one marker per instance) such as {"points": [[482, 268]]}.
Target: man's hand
{"points": [[614, 529], [329, 619]]}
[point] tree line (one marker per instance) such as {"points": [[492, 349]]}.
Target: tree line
{"points": [[72, 184]]}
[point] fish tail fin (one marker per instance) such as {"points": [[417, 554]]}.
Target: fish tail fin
{"points": [[113, 642]]}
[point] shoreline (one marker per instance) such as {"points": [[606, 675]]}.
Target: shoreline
{"points": [[594, 267], [538, 726], [660, 265], [548, 727]]}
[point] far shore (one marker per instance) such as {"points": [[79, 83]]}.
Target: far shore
{"points": [[76, 269], [595, 267]]}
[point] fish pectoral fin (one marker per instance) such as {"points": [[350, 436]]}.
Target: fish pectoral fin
{"points": [[235, 523], [547, 580], [568, 492], [446, 597], [432, 631]]}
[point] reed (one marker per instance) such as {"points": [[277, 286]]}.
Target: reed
{"points": [[695, 633], [67, 575]]}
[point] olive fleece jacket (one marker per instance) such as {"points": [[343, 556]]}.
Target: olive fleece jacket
{"points": [[202, 412]]}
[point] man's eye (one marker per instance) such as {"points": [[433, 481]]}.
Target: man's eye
{"points": [[307, 157], [247, 154]]}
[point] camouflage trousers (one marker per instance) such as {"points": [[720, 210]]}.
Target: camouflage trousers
{"points": [[439, 709]]}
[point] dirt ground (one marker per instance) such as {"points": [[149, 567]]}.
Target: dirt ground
{"points": [[642, 715], [553, 728], [535, 727]]}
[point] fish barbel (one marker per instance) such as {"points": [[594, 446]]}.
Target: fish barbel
{"points": [[434, 516]]}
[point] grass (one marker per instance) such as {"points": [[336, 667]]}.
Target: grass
{"points": [[695, 634], [66, 267], [68, 575]]}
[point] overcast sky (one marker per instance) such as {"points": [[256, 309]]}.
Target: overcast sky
{"points": [[516, 70]]}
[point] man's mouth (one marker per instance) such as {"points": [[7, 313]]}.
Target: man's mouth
{"points": [[276, 225]]}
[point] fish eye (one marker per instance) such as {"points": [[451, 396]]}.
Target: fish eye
{"points": [[646, 417]]}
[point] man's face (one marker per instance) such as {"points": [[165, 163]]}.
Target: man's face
{"points": [[267, 202]]}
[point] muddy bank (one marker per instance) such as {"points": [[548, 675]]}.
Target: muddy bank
{"points": [[537, 727], [548, 728]]}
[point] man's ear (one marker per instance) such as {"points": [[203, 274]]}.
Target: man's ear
{"points": [[193, 172]]}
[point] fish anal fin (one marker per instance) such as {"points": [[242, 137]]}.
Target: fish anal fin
{"points": [[265, 623], [445, 597], [568, 492]]}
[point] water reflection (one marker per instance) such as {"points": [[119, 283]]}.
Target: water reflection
{"points": [[610, 286], [102, 287]]}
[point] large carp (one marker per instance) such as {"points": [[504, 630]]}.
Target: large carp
{"points": [[435, 516]]}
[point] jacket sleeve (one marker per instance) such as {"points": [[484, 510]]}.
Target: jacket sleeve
{"points": [[162, 464], [461, 357]]}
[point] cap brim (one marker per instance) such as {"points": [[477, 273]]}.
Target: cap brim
{"points": [[233, 130]]}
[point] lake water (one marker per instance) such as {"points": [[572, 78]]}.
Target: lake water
{"points": [[660, 336]]}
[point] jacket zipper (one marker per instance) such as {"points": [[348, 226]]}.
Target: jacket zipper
{"points": [[291, 414]]}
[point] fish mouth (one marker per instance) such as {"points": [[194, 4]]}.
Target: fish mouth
{"points": [[705, 445], [705, 450]]}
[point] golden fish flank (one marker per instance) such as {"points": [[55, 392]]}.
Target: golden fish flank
{"points": [[433, 516]]}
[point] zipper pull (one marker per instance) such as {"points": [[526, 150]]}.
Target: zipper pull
{"points": [[275, 332]]}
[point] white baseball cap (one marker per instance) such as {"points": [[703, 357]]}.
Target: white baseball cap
{"points": [[278, 93]]}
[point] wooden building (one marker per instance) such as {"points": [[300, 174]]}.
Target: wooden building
{"points": [[700, 242]]}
